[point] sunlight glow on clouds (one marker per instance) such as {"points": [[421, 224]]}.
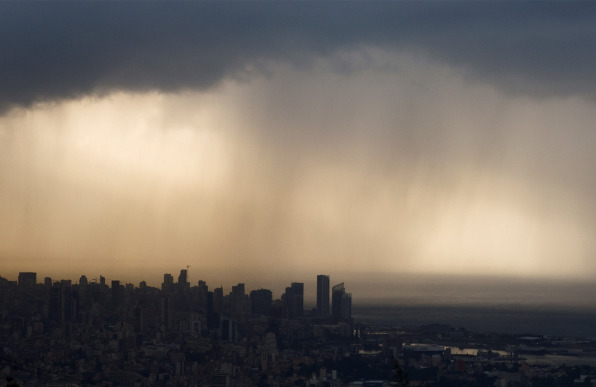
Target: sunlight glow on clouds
{"points": [[367, 169]]}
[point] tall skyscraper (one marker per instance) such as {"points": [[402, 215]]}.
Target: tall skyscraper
{"points": [[341, 303], [27, 279], [183, 279], [116, 293], [218, 300], [239, 301], [336, 293], [323, 295], [168, 282], [62, 307], [261, 301], [294, 300], [202, 295], [346, 306]]}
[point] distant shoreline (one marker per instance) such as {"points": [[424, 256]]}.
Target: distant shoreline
{"points": [[550, 320]]}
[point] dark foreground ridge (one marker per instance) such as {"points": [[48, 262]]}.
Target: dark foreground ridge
{"points": [[63, 334]]}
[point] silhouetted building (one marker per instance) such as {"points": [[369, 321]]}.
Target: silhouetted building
{"points": [[168, 282], [260, 302], [218, 298], [209, 303], [238, 289], [228, 330], [278, 308], [323, 295], [294, 300], [239, 301], [63, 306], [116, 293], [102, 280], [183, 279], [341, 303], [47, 282], [202, 295], [213, 314], [167, 311], [83, 281], [336, 293], [138, 320], [68, 305], [346, 306], [27, 279]]}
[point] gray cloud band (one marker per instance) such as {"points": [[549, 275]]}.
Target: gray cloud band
{"points": [[64, 50]]}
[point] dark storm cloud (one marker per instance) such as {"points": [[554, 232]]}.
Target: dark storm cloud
{"points": [[64, 50]]}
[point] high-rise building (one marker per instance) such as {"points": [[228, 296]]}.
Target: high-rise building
{"points": [[27, 279], [214, 307], [116, 291], [168, 282], [346, 306], [261, 301], [202, 292], [239, 301], [228, 330], [341, 303], [183, 279], [218, 300], [167, 312], [294, 300], [83, 281], [238, 289], [62, 306], [323, 295], [336, 294]]}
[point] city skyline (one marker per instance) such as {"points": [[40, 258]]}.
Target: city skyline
{"points": [[275, 141], [63, 333], [378, 289], [293, 294]]}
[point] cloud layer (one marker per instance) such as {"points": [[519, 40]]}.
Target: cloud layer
{"points": [[66, 50], [304, 171], [292, 138]]}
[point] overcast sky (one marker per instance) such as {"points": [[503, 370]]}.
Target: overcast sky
{"points": [[287, 139]]}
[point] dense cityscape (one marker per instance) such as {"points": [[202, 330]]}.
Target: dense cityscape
{"points": [[59, 333], [297, 193]]}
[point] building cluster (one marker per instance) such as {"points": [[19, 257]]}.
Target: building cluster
{"points": [[105, 332], [341, 302], [440, 355], [90, 333]]}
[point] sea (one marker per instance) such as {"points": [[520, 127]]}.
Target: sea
{"points": [[546, 320], [550, 307]]}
